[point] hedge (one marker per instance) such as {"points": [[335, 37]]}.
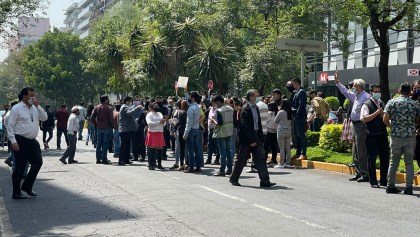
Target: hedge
{"points": [[330, 138]]}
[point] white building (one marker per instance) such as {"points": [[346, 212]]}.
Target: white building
{"points": [[79, 16], [30, 29]]}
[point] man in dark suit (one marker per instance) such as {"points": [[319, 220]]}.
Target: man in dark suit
{"points": [[250, 141]]}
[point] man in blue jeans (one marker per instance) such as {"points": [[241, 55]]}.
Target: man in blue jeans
{"points": [[103, 119], [299, 119], [192, 134], [222, 134]]}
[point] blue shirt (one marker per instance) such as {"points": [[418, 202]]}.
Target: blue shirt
{"points": [[357, 99], [193, 118]]}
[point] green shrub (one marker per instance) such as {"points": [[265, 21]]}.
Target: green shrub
{"points": [[313, 138], [346, 104], [330, 138], [333, 102]]}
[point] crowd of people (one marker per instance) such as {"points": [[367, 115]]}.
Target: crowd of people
{"points": [[231, 129]]}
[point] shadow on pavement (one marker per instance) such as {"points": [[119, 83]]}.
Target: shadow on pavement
{"points": [[54, 210]]}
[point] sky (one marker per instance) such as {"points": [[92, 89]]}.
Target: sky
{"points": [[55, 12]]}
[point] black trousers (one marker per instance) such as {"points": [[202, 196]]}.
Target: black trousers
{"points": [[29, 151], [126, 139], [61, 131], [139, 147], [378, 145], [44, 135], [270, 143], [258, 158]]}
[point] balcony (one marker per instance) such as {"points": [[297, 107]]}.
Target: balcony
{"points": [[84, 34], [85, 3], [86, 12], [83, 24]]}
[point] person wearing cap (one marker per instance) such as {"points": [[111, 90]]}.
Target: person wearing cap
{"points": [[72, 128]]}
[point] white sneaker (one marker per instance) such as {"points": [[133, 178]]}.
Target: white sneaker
{"points": [[279, 166], [289, 166]]}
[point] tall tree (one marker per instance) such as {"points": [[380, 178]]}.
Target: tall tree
{"points": [[52, 66]]}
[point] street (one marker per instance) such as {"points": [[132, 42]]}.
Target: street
{"points": [[88, 199]]}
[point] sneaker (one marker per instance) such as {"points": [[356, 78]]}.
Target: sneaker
{"points": [[63, 161], [280, 166], [289, 166]]}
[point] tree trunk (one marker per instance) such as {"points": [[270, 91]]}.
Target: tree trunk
{"points": [[383, 65]]}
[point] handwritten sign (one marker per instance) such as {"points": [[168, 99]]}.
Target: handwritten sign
{"points": [[182, 82]]}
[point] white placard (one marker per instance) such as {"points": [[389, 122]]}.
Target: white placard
{"points": [[182, 82]]}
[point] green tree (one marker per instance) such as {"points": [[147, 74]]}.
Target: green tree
{"points": [[52, 66], [11, 77]]}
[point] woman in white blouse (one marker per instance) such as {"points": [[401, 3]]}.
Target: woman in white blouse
{"points": [[154, 139]]}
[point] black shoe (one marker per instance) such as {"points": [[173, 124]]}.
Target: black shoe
{"points": [[142, 160], [106, 162], [355, 178], [160, 167], [121, 163], [374, 186], [73, 162], [362, 180], [267, 185], [8, 162], [393, 190], [151, 168], [63, 161], [98, 162], [18, 196], [58, 148], [188, 171], [234, 183], [208, 162], [198, 170], [229, 173], [219, 174], [116, 156], [383, 184], [136, 159], [30, 192], [408, 191]]}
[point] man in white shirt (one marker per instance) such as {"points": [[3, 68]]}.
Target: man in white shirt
{"points": [[82, 117], [72, 127], [22, 129]]}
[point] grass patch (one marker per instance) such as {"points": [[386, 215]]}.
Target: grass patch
{"points": [[318, 154]]}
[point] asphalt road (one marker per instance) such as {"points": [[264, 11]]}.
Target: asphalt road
{"points": [[87, 199]]}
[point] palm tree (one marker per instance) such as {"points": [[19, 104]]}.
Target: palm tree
{"points": [[212, 60]]}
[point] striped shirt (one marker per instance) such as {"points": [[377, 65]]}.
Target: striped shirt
{"points": [[263, 108]]}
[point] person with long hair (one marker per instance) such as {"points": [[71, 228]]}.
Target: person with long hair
{"points": [[154, 138], [284, 133], [270, 142], [180, 121]]}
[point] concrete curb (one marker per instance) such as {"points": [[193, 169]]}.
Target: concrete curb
{"points": [[401, 177]]}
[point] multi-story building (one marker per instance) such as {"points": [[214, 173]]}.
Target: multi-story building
{"points": [[363, 60], [79, 16], [30, 29]]}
